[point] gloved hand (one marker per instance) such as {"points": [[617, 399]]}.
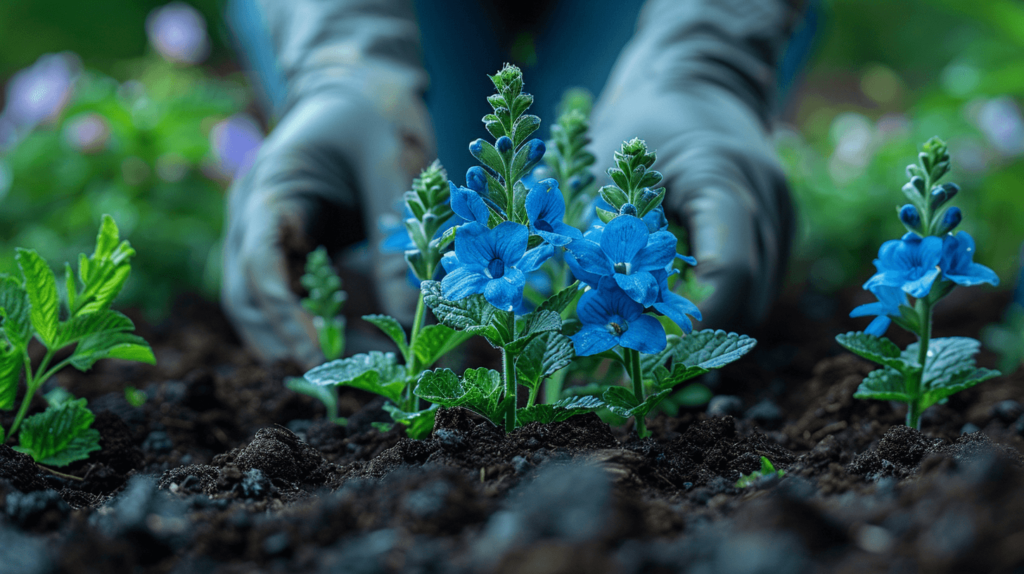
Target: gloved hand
{"points": [[696, 83], [353, 133]]}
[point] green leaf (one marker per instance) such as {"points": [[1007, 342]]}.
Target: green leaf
{"points": [[59, 435], [321, 393], [100, 292], [878, 349], [532, 325], [544, 356], [392, 328], [135, 397], [767, 469], [41, 286], [111, 345], [11, 362], [665, 379], [331, 336], [955, 383], [14, 311], [558, 412], [621, 401], [375, 372], [435, 341], [107, 239], [884, 384], [472, 314], [693, 395], [523, 127], [418, 424], [490, 156], [947, 357], [710, 349], [560, 301], [82, 326], [479, 390]]}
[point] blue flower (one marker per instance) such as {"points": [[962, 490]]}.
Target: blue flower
{"points": [[888, 305], [673, 305], [545, 207], [610, 318], [910, 263], [628, 253], [493, 262], [958, 264]]}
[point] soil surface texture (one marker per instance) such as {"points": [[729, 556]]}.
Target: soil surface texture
{"points": [[224, 470]]}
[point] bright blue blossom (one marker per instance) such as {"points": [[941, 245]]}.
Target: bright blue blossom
{"points": [[545, 207], [910, 263], [950, 220], [675, 306], [628, 253], [958, 264], [887, 306], [610, 318], [492, 262]]}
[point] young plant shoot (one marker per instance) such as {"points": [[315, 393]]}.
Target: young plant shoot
{"points": [[766, 472], [914, 273], [324, 304], [626, 264], [31, 308], [429, 215]]}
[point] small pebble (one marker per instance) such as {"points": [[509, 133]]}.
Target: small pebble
{"points": [[723, 405], [969, 428], [1007, 411], [765, 413], [157, 442]]}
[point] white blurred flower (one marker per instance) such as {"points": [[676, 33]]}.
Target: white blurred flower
{"points": [[178, 32], [853, 136], [1000, 120], [87, 133], [235, 142], [40, 92]]}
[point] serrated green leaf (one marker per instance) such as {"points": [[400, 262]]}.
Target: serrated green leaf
{"points": [[947, 357], [558, 412], [479, 390], [111, 345], [435, 341], [592, 389], [621, 401], [523, 127], [544, 356], [532, 325], [665, 379], [375, 372], [877, 349], [392, 328], [489, 156], [106, 239], [41, 285], [14, 312], [955, 383], [560, 301], [472, 314], [711, 349], [59, 435], [103, 288], [11, 362], [418, 424], [82, 326], [884, 384]]}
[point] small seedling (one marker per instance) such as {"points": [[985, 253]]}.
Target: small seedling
{"points": [[926, 264], [135, 397], [767, 471], [31, 308]]}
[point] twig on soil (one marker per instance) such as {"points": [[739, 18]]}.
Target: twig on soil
{"points": [[60, 474]]}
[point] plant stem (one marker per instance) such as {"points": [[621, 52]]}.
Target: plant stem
{"points": [[60, 474], [411, 362], [533, 396], [636, 374], [924, 310], [510, 381], [32, 384], [553, 386]]}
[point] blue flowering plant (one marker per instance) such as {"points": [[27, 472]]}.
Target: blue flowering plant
{"points": [[429, 213], [913, 274], [80, 321], [625, 264]]}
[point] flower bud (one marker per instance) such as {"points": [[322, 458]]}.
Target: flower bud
{"points": [[503, 145], [476, 179], [950, 219], [628, 209], [649, 195], [910, 217], [535, 150], [476, 147], [942, 194]]}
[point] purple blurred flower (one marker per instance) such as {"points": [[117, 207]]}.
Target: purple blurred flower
{"points": [[235, 142], [40, 92], [87, 133], [178, 32]]}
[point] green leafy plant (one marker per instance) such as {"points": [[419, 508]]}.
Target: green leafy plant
{"points": [[927, 264], [767, 470], [1007, 338], [32, 308]]}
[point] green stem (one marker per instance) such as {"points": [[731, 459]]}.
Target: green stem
{"points": [[636, 374], [510, 381], [413, 366], [924, 311], [533, 396], [553, 387]]}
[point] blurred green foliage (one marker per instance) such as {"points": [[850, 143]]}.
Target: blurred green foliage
{"points": [[888, 74], [155, 174]]}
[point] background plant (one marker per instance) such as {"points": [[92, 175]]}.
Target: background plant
{"points": [[32, 307], [926, 264]]}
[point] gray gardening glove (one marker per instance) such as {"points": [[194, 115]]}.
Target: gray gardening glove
{"points": [[352, 135], [696, 82]]}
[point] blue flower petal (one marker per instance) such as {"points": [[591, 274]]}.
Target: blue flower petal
{"points": [[592, 339], [535, 257], [658, 253], [473, 245], [545, 201], [591, 257], [623, 238], [462, 282], [921, 287], [878, 326], [585, 277], [506, 292], [509, 241], [641, 287], [467, 204], [645, 334]]}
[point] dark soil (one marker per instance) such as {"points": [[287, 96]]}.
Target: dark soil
{"points": [[224, 470]]}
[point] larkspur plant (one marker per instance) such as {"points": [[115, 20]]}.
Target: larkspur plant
{"points": [[511, 225], [324, 304], [31, 307], [926, 264]]}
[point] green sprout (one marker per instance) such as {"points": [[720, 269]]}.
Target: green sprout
{"points": [[31, 307], [767, 470]]}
